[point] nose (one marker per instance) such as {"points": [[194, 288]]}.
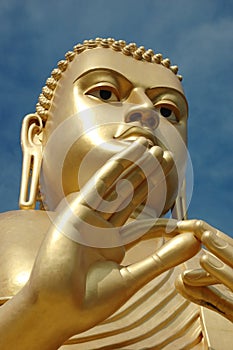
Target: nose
{"points": [[141, 110], [145, 117]]}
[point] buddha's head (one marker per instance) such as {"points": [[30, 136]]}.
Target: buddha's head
{"points": [[102, 97]]}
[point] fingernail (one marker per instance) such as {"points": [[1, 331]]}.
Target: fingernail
{"points": [[215, 262], [193, 275], [219, 242]]}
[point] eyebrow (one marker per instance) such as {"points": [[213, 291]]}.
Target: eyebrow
{"points": [[100, 69], [108, 70]]}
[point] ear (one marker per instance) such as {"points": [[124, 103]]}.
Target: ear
{"points": [[31, 143]]}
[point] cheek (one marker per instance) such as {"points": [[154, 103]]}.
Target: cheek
{"points": [[92, 112], [182, 130], [173, 137], [83, 102], [88, 154]]}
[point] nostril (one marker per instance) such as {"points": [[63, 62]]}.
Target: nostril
{"points": [[152, 122], [151, 119], [146, 117], [135, 117]]}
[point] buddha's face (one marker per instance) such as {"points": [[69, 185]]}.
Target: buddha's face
{"points": [[105, 101]]}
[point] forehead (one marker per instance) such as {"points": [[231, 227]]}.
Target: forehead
{"points": [[145, 74], [140, 74]]}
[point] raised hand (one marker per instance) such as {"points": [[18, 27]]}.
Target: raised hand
{"points": [[217, 268], [77, 280], [87, 240]]}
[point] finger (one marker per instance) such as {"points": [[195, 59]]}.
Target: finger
{"points": [[155, 177], [222, 272], [144, 176], [122, 161], [174, 252], [198, 227], [128, 206], [198, 278], [142, 168], [168, 162], [208, 297], [219, 246], [147, 229], [95, 189], [131, 189]]}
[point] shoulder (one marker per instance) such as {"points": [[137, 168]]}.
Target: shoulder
{"points": [[27, 217], [21, 226], [21, 234]]}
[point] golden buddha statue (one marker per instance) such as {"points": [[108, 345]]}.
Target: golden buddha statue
{"points": [[102, 265]]}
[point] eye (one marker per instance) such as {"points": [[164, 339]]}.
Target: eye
{"points": [[104, 93], [171, 113], [165, 112]]}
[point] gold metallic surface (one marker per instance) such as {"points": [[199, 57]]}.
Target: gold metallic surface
{"points": [[101, 267]]}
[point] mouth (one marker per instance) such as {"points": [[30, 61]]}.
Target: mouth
{"points": [[132, 133]]}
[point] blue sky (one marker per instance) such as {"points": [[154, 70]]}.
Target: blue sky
{"points": [[195, 34]]}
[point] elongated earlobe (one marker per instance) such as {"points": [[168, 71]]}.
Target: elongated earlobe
{"points": [[179, 210], [32, 157]]}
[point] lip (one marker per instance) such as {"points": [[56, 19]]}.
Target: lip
{"points": [[131, 133]]}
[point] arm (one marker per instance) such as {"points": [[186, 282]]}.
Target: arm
{"points": [[28, 323]]}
